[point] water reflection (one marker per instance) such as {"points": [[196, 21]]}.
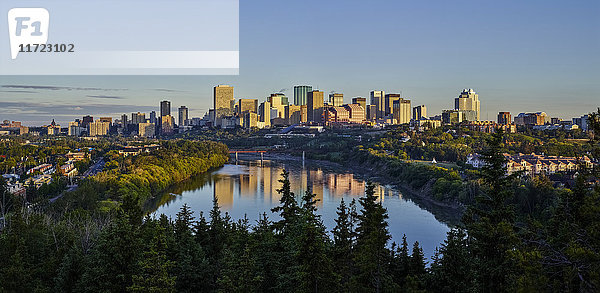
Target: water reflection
{"points": [[250, 188]]}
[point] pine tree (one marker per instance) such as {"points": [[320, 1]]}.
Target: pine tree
{"points": [[453, 267], [490, 223], [371, 254], [315, 266], [343, 244], [288, 206]]}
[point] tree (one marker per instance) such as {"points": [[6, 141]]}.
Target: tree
{"points": [[288, 206], [314, 262], [490, 222], [452, 269], [343, 245], [371, 254]]}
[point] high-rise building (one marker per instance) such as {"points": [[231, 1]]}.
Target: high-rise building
{"points": [[468, 101], [124, 120], [532, 119], [167, 125], [293, 114], [183, 116], [278, 101], [452, 116], [419, 112], [371, 112], [504, 118], [106, 119], [75, 129], [165, 108], [223, 100], [389, 103], [86, 121], [247, 105], [401, 110], [360, 101], [153, 117], [301, 94], [336, 99], [137, 118], [315, 104], [146, 129], [265, 113], [99, 128], [378, 99], [250, 119]]}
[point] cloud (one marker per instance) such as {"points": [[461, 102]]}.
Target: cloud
{"points": [[169, 90], [23, 92], [57, 88], [104, 97]]}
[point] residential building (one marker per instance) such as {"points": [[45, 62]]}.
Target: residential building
{"points": [[137, 118], [531, 119], [146, 129], [504, 118], [99, 128], [167, 126], [183, 116], [165, 108]]}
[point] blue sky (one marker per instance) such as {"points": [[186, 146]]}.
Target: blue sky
{"points": [[518, 55]]}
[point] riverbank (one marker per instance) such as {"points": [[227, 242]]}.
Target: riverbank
{"points": [[449, 213]]}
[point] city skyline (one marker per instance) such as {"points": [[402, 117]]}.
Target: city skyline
{"points": [[519, 57]]}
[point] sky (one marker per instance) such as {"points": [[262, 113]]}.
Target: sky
{"points": [[520, 56]]}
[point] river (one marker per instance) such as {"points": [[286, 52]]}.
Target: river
{"points": [[249, 188]]}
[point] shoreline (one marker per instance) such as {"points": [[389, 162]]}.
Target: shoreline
{"points": [[445, 212]]}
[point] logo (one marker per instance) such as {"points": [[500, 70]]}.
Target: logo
{"points": [[27, 26]]}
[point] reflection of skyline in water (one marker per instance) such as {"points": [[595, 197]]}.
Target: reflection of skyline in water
{"points": [[248, 190], [256, 181]]}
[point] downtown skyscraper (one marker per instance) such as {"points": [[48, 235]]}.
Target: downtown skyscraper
{"points": [[301, 94], [223, 101]]}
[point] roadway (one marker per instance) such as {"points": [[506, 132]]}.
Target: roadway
{"points": [[91, 171]]}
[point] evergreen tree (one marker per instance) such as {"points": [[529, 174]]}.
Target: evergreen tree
{"points": [[490, 223], [452, 268], [371, 254], [315, 266], [288, 206], [343, 244]]}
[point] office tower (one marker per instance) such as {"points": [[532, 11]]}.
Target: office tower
{"points": [[106, 119], [277, 102], [357, 113], [146, 129], [124, 120], [183, 116], [165, 108], [301, 94], [248, 106], [265, 113], [371, 112], [389, 102], [75, 129], [167, 125], [223, 100], [504, 118], [420, 112], [137, 118], [336, 99], [315, 104], [401, 111], [293, 114], [360, 101], [303, 113], [250, 119], [99, 128], [86, 121], [336, 114], [468, 101], [153, 117], [377, 99]]}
